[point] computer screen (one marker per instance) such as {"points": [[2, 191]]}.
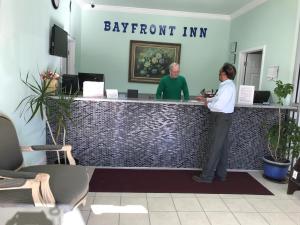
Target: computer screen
{"points": [[70, 84], [261, 96], [89, 77]]}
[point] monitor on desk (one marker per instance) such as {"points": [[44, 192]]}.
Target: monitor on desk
{"points": [[89, 77], [70, 84], [261, 96]]}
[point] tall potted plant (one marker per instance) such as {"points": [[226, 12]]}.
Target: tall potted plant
{"points": [[283, 139], [38, 102]]}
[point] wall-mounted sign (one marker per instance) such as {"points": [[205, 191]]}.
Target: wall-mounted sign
{"points": [[153, 29]]}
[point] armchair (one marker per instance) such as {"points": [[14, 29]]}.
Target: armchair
{"points": [[62, 186]]}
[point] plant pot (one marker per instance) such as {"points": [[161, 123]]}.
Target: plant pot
{"points": [[287, 100], [52, 86], [275, 170]]}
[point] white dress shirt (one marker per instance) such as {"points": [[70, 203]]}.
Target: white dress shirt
{"points": [[224, 100]]}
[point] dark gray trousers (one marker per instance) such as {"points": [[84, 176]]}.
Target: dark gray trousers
{"points": [[217, 156]]}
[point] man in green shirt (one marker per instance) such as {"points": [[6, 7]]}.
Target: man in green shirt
{"points": [[170, 86]]}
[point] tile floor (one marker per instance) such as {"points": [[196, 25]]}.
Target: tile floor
{"points": [[193, 209], [185, 209]]}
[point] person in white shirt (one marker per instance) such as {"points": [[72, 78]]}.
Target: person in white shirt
{"points": [[221, 107]]}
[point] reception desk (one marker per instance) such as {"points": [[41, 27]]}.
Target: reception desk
{"points": [[152, 133]]}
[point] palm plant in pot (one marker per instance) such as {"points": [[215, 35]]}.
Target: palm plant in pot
{"points": [[283, 139], [37, 103]]}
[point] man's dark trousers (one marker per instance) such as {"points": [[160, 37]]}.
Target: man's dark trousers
{"points": [[217, 156]]}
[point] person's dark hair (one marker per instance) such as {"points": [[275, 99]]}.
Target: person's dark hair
{"points": [[229, 70]]}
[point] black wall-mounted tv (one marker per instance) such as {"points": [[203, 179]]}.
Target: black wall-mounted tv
{"points": [[59, 42]]}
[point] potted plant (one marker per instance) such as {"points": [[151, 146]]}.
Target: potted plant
{"points": [[38, 101], [283, 139]]}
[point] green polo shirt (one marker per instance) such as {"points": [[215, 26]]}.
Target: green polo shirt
{"points": [[170, 88]]}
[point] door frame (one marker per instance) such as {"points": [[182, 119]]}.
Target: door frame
{"points": [[242, 59]]}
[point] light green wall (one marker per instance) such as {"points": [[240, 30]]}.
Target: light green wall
{"points": [[108, 52], [24, 47], [273, 24]]}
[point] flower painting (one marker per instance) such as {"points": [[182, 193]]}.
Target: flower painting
{"points": [[149, 61]]}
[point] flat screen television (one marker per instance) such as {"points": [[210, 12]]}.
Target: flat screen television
{"points": [[59, 42]]}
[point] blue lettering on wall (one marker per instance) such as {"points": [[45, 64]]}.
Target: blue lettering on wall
{"points": [[125, 25], [153, 29], [106, 25], [203, 32], [143, 28], [193, 31], [133, 27], [116, 27]]}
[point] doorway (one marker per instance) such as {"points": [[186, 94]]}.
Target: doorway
{"points": [[68, 64], [251, 67]]}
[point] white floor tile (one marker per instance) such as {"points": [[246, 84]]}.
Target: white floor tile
{"points": [[193, 218], [187, 204], [161, 204], [164, 218], [287, 205], [238, 205], [295, 217], [277, 219], [221, 218], [207, 195], [134, 201], [107, 200], [183, 195], [231, 196], [158, 195], [213, 205], [134, 219], [139, 195], [250, 219], [111, 194], [103, 219], [263, 205]]}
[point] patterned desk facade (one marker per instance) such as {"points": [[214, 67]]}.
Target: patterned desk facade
{"points": [[137, 134]]}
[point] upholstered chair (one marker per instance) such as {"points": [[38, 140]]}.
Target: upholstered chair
{"points": [[62, 186]]}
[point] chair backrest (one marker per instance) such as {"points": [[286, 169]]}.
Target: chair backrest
{"points": [[11, 157]]}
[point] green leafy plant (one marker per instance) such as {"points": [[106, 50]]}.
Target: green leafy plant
{"points": [[38, 102], [283, 137], [282, 90]]}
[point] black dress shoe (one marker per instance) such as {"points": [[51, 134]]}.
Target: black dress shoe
{"points": [[201, 180]]}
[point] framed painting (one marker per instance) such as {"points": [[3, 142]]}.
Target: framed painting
{"points": [[149, 61]]}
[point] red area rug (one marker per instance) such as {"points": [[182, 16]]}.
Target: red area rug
{"points": [[171, 181]]}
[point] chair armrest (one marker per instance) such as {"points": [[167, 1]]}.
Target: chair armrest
{"points": [[39, 185], [43, 148], [15, 174], [11, 183], [64, 148]]}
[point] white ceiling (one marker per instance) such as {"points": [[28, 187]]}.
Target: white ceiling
{"points": [[224, 7]]}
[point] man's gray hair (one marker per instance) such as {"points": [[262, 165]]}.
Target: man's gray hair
{"points": [[172, 65]]}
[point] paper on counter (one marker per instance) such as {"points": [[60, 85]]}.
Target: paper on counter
{"points": [[93, 89], [112, 93], [246, 94]]}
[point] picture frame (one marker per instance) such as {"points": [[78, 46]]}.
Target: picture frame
{"points": [[149, 61]]}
